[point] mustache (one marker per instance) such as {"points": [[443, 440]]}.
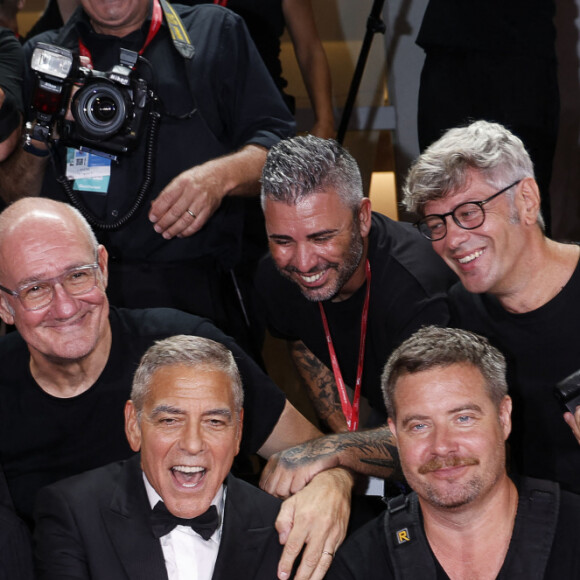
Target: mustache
{"points": [[440, 463]]}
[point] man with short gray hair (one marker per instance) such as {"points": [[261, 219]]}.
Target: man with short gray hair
{"points": [[479, 204], [344, 286], [466, 518], [338, 272], [173, 510]]}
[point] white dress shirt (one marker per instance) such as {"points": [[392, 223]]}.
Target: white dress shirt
{"points": [[187, 555]]}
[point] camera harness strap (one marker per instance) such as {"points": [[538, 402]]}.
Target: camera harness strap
{"points": [[183, 45], [530, 549]]}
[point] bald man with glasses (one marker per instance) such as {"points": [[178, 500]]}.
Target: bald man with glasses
{"points": [[478, 201]]}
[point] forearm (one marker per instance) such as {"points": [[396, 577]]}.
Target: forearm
{"points": [[239, 172], [21, 175], [371, 452], [320, 385], [9, 144], [316, 75], [312, 62], [291, 429]]}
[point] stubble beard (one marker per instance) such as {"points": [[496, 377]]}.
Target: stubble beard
{"points": [[344, 271]]}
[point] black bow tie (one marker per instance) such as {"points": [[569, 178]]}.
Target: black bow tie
{"points": [[163, 521]]}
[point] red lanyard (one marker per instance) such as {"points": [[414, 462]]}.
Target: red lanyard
{"points": [[351, 412], [221, 2], [156, 20]]}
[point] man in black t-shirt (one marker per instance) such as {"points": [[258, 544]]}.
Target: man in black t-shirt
{"points": [[446, 392], [480, 205], [336, 273], [322, 237], [66, 373]]}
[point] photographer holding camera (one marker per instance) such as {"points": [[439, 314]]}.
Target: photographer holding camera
{"points": [[158, 155]]}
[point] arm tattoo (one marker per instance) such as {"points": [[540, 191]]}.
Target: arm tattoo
{"points": [[318, 380], [374, 447]]}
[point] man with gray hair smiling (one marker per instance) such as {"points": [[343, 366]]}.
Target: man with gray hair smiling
{"points": [[343, 286], [446, 393], [172, 509], [479, 204]]}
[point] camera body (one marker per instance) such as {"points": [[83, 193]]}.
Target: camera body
{"points": [[109, 108], [567, 391]]}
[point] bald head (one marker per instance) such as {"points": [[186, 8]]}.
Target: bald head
{"points": [[45, 244], [39, 214]]}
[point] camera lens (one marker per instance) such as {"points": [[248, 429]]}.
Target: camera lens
{"points": [[103, 109], [100, 110]]}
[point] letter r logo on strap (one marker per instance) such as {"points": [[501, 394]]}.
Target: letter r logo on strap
{"points": [[403, 536]]}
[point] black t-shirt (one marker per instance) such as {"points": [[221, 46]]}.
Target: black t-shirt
{"points": [[520, 27], [408, 284], [541, 348], [44, 438], [365, 555]]}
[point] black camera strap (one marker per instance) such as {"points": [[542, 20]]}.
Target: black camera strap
{"points": [[530, 546], [77, 202]]}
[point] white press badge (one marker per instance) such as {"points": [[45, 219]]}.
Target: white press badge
{"points": [[90, 172]]}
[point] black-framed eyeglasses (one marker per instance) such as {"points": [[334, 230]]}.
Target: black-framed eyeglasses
{"points": [[468, 215], [39, 294]]}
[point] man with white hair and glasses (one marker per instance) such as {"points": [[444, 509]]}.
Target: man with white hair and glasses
{"points": [[479, 203]]}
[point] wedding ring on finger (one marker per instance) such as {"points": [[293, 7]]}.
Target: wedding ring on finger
{"points": [[191, 213]]}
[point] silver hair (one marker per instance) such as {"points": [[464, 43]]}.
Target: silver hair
{"points": [[432, 347], [191, 351], [298, 167], [489, 148]]}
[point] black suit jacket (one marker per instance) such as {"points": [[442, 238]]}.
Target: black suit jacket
{"points": [[96, 526], [15, 548]]}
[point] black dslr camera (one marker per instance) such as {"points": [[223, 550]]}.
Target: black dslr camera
{"points": [[109, 108], [567, 392]]}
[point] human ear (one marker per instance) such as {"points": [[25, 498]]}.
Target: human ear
{"points": [[364, 217], [392, 427], [528, 196], [103, 258], [6, 311], [132, 426], [505, 415]]}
